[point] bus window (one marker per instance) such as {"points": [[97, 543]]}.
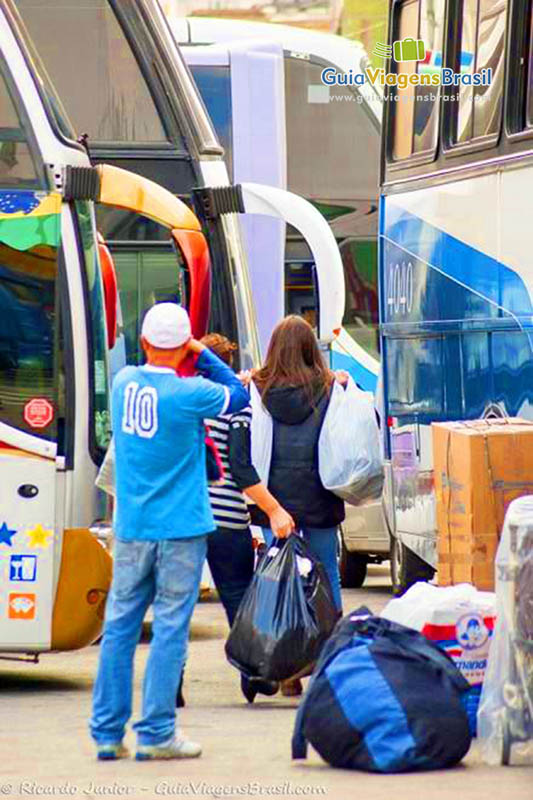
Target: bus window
{"points": [[100, 428], [480, 46], [29, 365], [416, 108], [145, 277], [341, 126], [300, 283], [118, 225], [214, 85], [361, 315], [105, 97], [17, 168]]}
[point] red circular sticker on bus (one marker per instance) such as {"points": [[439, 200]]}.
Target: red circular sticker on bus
{"points": [[39, 412]]}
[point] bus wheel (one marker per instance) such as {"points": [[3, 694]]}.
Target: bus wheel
{"points": [[352, 567], [406, 567]]}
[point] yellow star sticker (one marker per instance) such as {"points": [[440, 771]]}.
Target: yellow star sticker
{"points": [[39, 536]]}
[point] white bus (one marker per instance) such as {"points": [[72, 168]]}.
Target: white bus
{"points": [[57, 318], [141, 109]]}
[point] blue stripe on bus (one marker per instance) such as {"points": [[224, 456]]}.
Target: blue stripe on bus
{"points": [[367, 380], [479, 272]]}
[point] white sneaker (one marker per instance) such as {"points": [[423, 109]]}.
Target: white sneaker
{"points": [[112, 752], [174, 748]]}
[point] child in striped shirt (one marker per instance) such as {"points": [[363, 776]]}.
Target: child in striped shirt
{"points": [[230, 552]]}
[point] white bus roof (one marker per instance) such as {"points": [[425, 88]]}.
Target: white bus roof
{"points": [[344, 54]]}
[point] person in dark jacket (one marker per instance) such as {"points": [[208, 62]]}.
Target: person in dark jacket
{"points": [[295, 386]]}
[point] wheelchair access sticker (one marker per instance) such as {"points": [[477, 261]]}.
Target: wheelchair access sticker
{"points": [[21, 606]]}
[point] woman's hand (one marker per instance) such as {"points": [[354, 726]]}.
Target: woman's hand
{"points": [[342, 377], [281, 523], [245, 377]]}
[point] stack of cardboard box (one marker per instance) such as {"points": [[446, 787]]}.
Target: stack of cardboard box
{"points": [[480, 466]]}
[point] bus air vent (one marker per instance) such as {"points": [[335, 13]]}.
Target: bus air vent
{"points": [[82, 183], [211, 202]]}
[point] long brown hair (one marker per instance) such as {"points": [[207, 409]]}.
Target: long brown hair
{"points": [[294, 359]]}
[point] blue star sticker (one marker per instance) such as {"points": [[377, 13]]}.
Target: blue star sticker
{"points": [[6, 534]]}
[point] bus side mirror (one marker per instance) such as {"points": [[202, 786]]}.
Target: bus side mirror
{"points": [[109, 279]]}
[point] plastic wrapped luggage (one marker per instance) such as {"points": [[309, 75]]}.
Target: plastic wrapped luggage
{"points": [[505, 714]]}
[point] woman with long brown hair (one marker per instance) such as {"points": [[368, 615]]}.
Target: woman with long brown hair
{"points": [[295, 384]]}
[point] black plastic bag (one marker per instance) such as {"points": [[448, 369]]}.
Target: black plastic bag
{"points": [[286, 615]]}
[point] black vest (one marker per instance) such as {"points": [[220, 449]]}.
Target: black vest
{"points": [[294, 479]]}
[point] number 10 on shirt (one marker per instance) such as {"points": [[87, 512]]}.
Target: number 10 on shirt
{"points": [[140, 410]]}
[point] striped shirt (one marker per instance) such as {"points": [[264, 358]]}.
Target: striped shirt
{"points": [[227, 501]]}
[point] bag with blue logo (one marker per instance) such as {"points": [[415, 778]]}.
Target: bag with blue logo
{"points": [[383, 698]]}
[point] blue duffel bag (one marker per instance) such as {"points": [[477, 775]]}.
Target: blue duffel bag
{"points": [[383, 698]]}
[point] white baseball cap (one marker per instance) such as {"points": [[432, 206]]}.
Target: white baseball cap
{"points": [[166, 325]]}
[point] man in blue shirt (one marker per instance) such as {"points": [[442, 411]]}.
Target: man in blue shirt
{"points": [[162, 518]]}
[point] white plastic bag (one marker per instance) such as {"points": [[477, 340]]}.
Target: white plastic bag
{"points": [[349, 457], [505, 716], [261, 435], [105, 480]]}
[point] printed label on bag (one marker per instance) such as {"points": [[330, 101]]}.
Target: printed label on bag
{"points": [[467, 643]]}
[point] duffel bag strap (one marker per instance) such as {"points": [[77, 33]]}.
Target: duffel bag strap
{"points": [[299, 742]]}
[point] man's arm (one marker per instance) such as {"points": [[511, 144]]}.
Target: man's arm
{"points": [[213, 368]]}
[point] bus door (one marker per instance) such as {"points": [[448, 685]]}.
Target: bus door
{"points": [[253, 198], [31, 408], [242, 86], [123, 190]]}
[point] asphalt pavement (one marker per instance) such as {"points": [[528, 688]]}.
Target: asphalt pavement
{"points": [[46, 750]]}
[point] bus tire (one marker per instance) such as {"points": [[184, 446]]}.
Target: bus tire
{"points": [[407, 568], [352, 568]]}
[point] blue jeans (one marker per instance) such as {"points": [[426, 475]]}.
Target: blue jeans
{"points": [[167, 574], [323, 544]]}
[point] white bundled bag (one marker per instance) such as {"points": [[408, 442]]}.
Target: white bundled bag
{"points": [[262, 435], [349, 456], [105, 480]]}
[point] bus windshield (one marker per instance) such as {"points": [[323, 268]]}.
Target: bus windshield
{"points": [[331, 127], [106, 96], [214, 84], [31, 348], [17, 165]]}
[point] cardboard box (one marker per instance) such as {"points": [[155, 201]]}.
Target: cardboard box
{"points": [[480, 466]]}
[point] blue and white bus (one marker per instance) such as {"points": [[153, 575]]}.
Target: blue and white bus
{"points": [[456, 257]]}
